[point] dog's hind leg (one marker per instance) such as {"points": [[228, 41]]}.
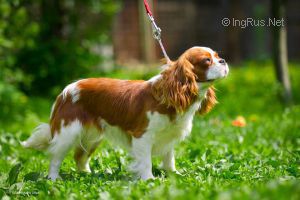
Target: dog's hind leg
{"points": [[61, 143], [89, 141]]}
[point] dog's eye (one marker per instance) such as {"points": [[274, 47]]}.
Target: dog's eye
{"points": [[208, 60]]}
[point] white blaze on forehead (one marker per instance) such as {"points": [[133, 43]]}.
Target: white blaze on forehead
{"points": [[73, 90], [216, 70], [209, 50]]}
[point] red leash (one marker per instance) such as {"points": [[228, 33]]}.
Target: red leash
{"points": [[147, 7], [156, 31]]}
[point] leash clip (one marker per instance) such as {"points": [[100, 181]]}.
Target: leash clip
{"points": [[156, 31]]}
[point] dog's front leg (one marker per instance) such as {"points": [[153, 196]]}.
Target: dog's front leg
{"points": [[141, 152], [168, 162]]}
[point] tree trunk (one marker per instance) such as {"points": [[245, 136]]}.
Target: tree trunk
{"points": [[280, 54]]}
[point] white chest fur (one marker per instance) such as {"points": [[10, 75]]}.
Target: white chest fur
{"points": [[164, 133]]}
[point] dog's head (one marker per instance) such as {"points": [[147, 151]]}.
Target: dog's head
{"points": [[205, 64], [178, 86]]}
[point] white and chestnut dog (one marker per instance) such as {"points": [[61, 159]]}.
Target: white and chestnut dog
{"points": [[146, 117]]}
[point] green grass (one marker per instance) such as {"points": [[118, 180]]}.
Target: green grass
{"points": [[217, 161]]}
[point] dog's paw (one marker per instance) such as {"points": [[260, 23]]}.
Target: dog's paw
{"points": [[54, 177], [177, 173], [174, 172], [147, 177], [85, 170]]}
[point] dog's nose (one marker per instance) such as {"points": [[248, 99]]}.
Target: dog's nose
{"points": [[222, 61]]}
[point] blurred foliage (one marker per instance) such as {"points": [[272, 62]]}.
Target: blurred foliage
{"points": [[15, 32], [46, 44]]}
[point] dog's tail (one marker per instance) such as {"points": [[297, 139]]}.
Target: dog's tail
{"points": [[40, 138]]}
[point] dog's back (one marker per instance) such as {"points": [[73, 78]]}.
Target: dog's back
{"points": [[93, 100]]}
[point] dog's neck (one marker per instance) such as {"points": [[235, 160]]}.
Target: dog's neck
{"points": [[202, 89]]}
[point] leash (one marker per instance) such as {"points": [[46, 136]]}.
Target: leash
{"points": [[156, 31]]}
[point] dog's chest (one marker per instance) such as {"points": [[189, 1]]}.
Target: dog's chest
{"points": [[164, 133]]}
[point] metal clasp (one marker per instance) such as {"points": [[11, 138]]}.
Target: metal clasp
{"points": [[156, 31]]}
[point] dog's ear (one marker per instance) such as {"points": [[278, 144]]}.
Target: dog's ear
{"points": [[208, 102], [178, 87]]}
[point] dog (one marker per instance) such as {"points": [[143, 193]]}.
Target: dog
{"points": [[145, 117]]}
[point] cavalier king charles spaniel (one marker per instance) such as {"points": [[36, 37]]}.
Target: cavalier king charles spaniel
{"points": [[145, 117]]}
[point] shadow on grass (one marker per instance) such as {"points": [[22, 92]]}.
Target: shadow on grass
{"points": [[116, 175]]}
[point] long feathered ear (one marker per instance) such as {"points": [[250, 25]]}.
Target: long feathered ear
{"points": [[178, 87], [209, 101]]}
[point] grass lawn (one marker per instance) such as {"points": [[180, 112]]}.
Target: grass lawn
{"points": [[217, 161]]}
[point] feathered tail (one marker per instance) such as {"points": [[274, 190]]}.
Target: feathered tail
{"points": [[40, 138]]}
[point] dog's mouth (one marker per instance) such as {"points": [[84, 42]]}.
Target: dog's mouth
{"points": [[205, 81]]}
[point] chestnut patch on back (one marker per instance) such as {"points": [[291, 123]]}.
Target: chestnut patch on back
{"points": [[120, 103]]}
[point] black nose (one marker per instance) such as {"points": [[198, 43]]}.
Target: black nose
{"points": [[222, 61]]}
